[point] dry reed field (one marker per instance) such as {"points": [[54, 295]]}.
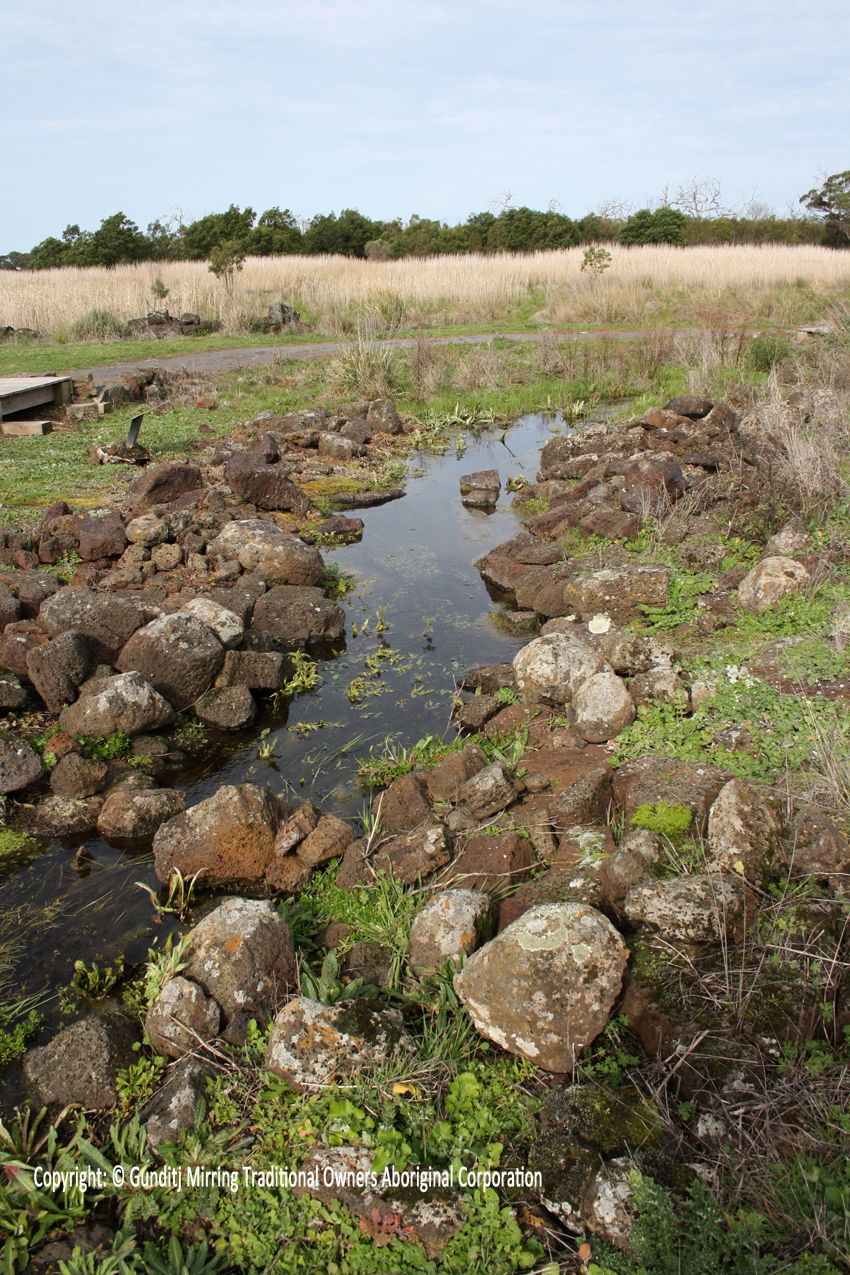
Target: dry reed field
{"points": [[653, 285]]}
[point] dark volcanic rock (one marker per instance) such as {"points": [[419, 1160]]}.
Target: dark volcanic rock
{"points": [[19, 765], [81, 1064], [177, 654], [229, 836], [58, 667], [227, 707], [105, 620], [296, 613], [265, 486], [163, 483], [100, 534]]}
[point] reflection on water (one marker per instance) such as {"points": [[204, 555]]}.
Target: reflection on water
{"points": [[418, 583]]}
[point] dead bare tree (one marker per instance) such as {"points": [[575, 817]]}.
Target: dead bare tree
{"points": [[701, 197], [615, 209], [501, 202]]}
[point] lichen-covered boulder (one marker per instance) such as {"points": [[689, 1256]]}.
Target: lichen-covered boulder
{"points": [[582, 1130], [452, 924], [606, 1204], [181, 1018], [262, 547], [552, 668], [20, 765], [174, 1106], [228, 837], [703, 908], [225, 624], [603, 707], [770, 580], [177, 654], [743, 832], [544, 988], [130, 815], [125, 703], [313, 1045], [618, 592], [243, 957]]}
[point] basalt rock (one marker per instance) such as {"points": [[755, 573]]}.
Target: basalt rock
{"points": [[243, 957], [228, 837], [274, 555], [312, 1045], [129, 815], [125, 703], [20, 765], [177, 654], [296, 613], [107, 621], [163, 483], [81, 1064], [544, 988], [452, 924]]}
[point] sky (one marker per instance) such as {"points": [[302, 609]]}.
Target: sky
{"points": [[397, 107]]}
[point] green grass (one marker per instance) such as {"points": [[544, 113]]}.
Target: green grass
{"points": [[34, 472]]}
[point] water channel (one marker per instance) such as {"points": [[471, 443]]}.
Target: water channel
{"points": [[416, 580]]}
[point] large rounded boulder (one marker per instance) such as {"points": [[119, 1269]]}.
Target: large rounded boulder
{"points": [[228, 837], [178, 655], [552, 668], [262, 547], [545, 987]]}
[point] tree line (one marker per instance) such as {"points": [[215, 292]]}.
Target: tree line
{"points": [[242, 233]]}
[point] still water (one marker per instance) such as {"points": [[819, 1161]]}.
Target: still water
{"points": [[416, 581]]}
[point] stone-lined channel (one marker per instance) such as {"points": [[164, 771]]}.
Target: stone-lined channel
{"points": [[417, 582]]}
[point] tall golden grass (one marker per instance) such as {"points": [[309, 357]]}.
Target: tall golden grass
{"points": [[643, 285]]}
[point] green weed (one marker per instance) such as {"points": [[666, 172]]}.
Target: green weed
{"points": [[106, 748]]}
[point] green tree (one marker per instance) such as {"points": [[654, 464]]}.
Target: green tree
{"points": [[665, 225], [275, 234], [226, 260], [525, 230], [198, 239], [118, 239], [831, 202], [49, 253], [346, 234]]}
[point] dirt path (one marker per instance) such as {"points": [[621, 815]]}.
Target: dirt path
{"points": [[256, 356]]}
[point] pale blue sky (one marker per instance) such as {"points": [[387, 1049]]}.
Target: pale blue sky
{"points": [[400, 106]]}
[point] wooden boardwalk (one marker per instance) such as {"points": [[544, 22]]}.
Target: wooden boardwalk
{"points": [[20, 393]]}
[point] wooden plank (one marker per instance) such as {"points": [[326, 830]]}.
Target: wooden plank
{"points": [[27, 398], [21, 429], [11, 384], [17, 393]]}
